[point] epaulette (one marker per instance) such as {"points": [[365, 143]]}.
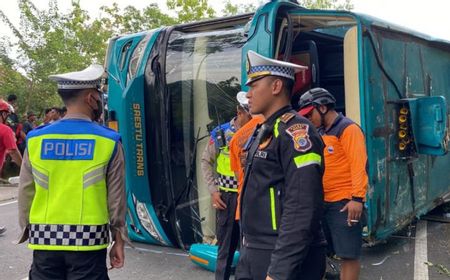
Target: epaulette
{"points": [[286, 117]]}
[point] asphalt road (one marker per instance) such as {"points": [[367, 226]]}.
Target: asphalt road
{"points": [[400, 257]]}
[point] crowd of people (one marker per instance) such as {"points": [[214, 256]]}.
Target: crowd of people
{"points": [[14, 129]]}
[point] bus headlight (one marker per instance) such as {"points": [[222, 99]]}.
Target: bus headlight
{"points": [[147, 222]]}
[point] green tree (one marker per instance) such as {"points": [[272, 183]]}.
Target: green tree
{"points": [[231, 10], [326, 4], [191, 10], [51, 42], [134, 20]]}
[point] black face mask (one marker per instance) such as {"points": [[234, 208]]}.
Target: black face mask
{"points": [[97, 112]]}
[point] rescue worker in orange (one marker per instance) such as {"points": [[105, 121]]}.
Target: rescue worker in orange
{"points": [[237, 143], [345, 179], [282, 194]]}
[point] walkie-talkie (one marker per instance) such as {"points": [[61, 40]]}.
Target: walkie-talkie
{"points": [[220, 134]]}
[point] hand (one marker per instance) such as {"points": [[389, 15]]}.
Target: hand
{"points": [[217, 202], [354, 209], [269, 278], [117, 254]]}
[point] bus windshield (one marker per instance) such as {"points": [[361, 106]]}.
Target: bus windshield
{"points": [[203, 78]]}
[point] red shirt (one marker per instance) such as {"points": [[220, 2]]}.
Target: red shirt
{"points": [[7, 142]]}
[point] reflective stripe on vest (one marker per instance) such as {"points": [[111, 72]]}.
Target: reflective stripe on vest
{"points": [[68, 235], [226, 176], [69, 210]]}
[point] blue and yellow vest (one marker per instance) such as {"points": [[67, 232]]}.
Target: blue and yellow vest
{"points": [[226, 179], [69, 160]]}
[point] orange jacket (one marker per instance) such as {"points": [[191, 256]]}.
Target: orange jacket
{"points": [[237, 156], [345, 161]]}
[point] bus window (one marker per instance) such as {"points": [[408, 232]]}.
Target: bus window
{"points": [[319, 44], [203, 78]]}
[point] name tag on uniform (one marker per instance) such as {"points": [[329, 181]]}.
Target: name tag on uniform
{"points": [[68, 149], [261, 154]]}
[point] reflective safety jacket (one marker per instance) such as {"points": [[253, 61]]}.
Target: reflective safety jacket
{"points": [[282, 195], [69, 160], [345, 161], [226, 178]]}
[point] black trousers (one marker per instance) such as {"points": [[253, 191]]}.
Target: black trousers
{"points": [[69, 265], [254, 263], [227, 235]]}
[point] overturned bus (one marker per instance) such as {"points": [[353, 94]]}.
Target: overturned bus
{"points": [[169, 86]]}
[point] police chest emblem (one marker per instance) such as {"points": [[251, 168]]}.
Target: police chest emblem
{"points": [[299, 134]]}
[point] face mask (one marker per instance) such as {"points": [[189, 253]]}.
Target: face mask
{"points": [[97, 112]]}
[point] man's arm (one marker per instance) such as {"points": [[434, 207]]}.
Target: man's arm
{"points": [[25, 196], [208, 161], [302, 202], [353, 144], [15, 156], [117, 206]]}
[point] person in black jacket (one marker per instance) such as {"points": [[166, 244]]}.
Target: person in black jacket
{"points": [[282, 195]]}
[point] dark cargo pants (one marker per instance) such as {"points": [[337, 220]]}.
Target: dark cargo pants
{"points": [[68, 265], [227, 229]]}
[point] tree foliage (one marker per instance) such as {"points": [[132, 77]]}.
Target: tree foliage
{"points": [[191, 10], [326, 4]]}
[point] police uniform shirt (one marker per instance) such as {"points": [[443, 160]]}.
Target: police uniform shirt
{"points": [[209, 155], [282, 196], [115, 181]]}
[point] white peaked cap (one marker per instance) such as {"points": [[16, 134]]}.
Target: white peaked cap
{"points": [[242, 98], [87, 78], [259, 66]]}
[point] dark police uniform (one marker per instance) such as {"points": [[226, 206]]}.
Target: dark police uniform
{"points": [[282, 201]]}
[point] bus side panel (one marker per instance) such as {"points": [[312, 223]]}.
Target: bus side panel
{"points": [[436, 69], [401, 187]]}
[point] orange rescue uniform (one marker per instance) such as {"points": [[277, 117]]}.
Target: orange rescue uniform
{"points": [[237, 155], [345, 161]]}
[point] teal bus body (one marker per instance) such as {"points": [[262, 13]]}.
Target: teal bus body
{"points": [[168, 87]]}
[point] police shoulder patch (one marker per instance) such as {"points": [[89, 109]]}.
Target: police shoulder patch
{"points": [[287, 117], [300, 136]]}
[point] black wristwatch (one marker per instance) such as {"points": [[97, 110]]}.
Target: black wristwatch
{"points": [[358, 199]]}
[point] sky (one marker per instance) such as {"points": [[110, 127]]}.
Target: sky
{"points": [[429, 17]]}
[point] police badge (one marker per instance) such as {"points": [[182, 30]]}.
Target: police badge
{"points": [[299, 134]]}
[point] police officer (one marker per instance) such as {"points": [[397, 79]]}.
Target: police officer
{"points": [[222, 185], [282, 196], [71, 190], [345, 179]]}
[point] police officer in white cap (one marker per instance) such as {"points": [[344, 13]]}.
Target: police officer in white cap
{"points": [[71, 191], [222, 185], [282, 196]]}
